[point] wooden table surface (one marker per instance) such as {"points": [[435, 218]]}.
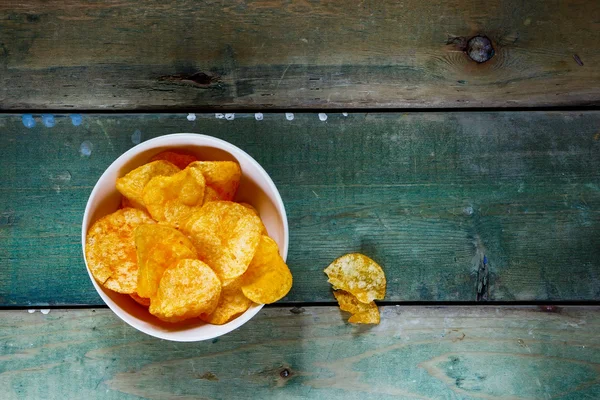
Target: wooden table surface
{"points": [[475, 185]]}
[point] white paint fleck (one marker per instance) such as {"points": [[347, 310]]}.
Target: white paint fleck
{"points": [[76, 119], [30, 311], [45, 311], [230, 116], [136, 137], [258, 116], [191, 117], [28, 120], [86, 148], [289, 116], [48, 120], [345, 114], [64, 176], [219, 116], [323, 117]]}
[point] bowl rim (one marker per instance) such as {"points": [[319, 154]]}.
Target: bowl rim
{"points": [[166, 141]]}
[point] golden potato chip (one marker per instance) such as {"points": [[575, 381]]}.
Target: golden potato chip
{"points": [[158, 247], [358, 275], [187, 289], [110, 249], [226, 236], [210, 194], [268, 278], [222, 176], [132, 184], [361, 313], [140, 300], [180, 160], [174, 198], [125, 203], [231, 304], [255, 211]]}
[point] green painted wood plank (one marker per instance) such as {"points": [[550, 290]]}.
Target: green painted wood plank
{"points": [[415, 353], [428, 195], [156, 55]]}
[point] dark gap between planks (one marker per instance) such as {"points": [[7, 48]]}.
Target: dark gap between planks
{"points": [[201, 110], [549, 304]]}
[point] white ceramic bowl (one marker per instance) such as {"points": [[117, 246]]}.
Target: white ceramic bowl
{"points": [[256, 188]]}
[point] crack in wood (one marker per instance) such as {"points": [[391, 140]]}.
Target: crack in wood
{"points": [[483, 275]]}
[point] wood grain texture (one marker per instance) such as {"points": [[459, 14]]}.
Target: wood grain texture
{"points": [[430, 196], [415, 353], [156, 55]]}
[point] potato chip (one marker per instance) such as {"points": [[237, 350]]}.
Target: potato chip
{"points": [[174, 198], [268, 278], [222, 176], [210, 194], [361, 313], [132, 184], [226, 236], [187, 289], [125, 203], [140, 300], [180, 160], [110, 249], [158, 247], [231, 304], [358, 275], [255, 211]]}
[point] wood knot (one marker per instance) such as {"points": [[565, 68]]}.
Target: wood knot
{"points": [[200, 79], [285, 373], [480, 49]]}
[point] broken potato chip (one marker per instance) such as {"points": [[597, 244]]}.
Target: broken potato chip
{"points": [[132, 184], [180, 160], [187, 289], [158, 247], [361, 313], [223, 177], [110, 249], [174, 198], [268, 278], [226, 236], [358, 275]]}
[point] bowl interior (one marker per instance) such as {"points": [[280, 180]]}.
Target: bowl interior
{"points": [[256, 188]]}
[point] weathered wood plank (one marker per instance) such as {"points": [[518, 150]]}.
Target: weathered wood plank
{"points": [[416, 353], [428, 195], [156, 55]]}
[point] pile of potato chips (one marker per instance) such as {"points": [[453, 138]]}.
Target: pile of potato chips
{"points": [[182, 247], [357, 281]]}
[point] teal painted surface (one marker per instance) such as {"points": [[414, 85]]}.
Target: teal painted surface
{"points": [[427, 195], [276, 54], [415, 353]]}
